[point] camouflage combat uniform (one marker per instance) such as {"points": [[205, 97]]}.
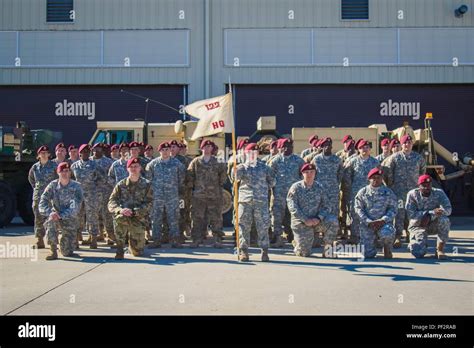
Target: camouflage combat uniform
{"points": [[371, 204], [306, 152], [308, 203], [103, 194], [417, 206], [329, 175], [39, 176], [254, 184], [167, 178], [91, 177], [185, 198], [402, 176], [309, 157], [137, 196], [206, 179], [118, 170], [286, 171], [66, 201], [381, 157], [356, 170]]}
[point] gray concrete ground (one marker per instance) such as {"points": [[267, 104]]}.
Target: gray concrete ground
{"points": [[211, 281]]}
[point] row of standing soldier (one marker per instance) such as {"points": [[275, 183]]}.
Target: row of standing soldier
{"points": [[312, 198]]}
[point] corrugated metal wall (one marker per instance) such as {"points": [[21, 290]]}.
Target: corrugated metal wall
{"points": [[165, 14]]}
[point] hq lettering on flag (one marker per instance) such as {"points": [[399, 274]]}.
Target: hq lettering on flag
{"points": [[215, 116]]}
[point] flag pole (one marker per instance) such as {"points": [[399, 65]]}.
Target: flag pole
{"points": [[235, 188]]}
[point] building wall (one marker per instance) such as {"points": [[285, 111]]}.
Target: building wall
{"points": [[30, 15]]}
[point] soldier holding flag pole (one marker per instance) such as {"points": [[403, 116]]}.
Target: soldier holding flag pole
{"points": [[215, 116]]}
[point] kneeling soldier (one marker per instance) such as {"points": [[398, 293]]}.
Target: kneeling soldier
{"points": [[376, 207], [309, 208], [60, 203], [428, 209], [130, 202]]}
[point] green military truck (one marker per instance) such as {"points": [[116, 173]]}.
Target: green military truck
{"points": [[17, 154]]}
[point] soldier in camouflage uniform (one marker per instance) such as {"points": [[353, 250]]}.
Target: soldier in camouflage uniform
{"points": [[167, 177], [316, 151], [103, 192], [347, 151], [185, 196], [73, 154], [428, 209], [60, 206], [385, 145], [61, 152], [255, 180], [130, 202], [40, 175], [148, 153], [90, 176], [329, 176], [136, 151], [115, 152], [308, 205], [395, 146], [312, 141], [273, 151], [376, 207], [118, 169], [206, 179], [348, 148], [356, 170], [286, 170], [403, 170]]}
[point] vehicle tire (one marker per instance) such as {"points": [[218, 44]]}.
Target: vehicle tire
{"points": [[7, 204], [25, 209]]}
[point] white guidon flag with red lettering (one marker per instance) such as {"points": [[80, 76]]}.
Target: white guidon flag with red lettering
{"points": [[215, 115]]}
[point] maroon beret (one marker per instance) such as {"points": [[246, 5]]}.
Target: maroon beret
{"points": [[141, 143], [362, 143], [84, 146], [97, 145], [132, 161], [148, 147], [123, 145], [105, 146], [346, 138], [374, 171], [164, 145], [134, 144], [42, 148], [251, 147], [385, 141], [283, 142], [207, 142], [61, 166], [394, 142], [307, 166], [312, 138], [405, 138], [424, 178], [60, 145], [325, 140], [174, 142], [71, 147], [242, 143]]}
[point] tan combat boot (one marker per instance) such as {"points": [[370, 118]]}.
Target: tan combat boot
{"points": [[217, 241], [440, 255], [87, 241], [387, 253], [243, 255], [54, 253], [265, 257], [40, 243], [93, 242], [119, 255], [397, 244]]}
